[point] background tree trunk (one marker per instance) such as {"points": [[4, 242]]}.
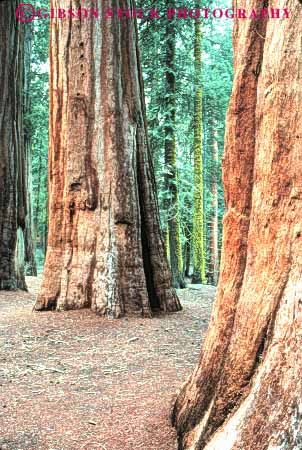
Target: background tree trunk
{"points": [[213, 269], [199, 257], [29, 247], [12, 158], [105, 250], [245, 392], [171, 179], [188, 236]]}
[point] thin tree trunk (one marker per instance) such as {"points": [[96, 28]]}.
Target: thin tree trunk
{"points": [[12, 160], [199, 253], [166, 241], [29, 247], [45, 232], [245, 392], [188, 228], [213, 269], [105, 250], [172, 203], [188, 234], [36, 225]]}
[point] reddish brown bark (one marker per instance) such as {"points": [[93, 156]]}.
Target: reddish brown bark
{"points": [[245, 392], [105, 250], [12, 159]]}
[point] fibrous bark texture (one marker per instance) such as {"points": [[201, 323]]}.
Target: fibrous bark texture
{"points": [[245, 393], [105, 250], [12, 158]]}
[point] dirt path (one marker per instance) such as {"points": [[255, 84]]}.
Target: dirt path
{"points": [[74, 381]]}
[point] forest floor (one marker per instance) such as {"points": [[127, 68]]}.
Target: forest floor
{"points": [[75, 381]]}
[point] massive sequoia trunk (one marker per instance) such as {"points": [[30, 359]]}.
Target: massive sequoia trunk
{"points": [[12, 160], [245, 393], [105, 250]]}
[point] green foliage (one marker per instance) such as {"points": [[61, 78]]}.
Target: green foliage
{"points": [[216, 81]]}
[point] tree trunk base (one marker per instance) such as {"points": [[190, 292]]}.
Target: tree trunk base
{"points": [[13, 285]]}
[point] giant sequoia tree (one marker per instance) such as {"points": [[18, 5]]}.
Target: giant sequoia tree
{"points": [[105, 250], [13, 163], [245, 392]]}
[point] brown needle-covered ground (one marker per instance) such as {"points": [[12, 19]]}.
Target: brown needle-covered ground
{"points": [[74, 381]]}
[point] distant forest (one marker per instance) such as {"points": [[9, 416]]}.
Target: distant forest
{"points": [[187, 68]]}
